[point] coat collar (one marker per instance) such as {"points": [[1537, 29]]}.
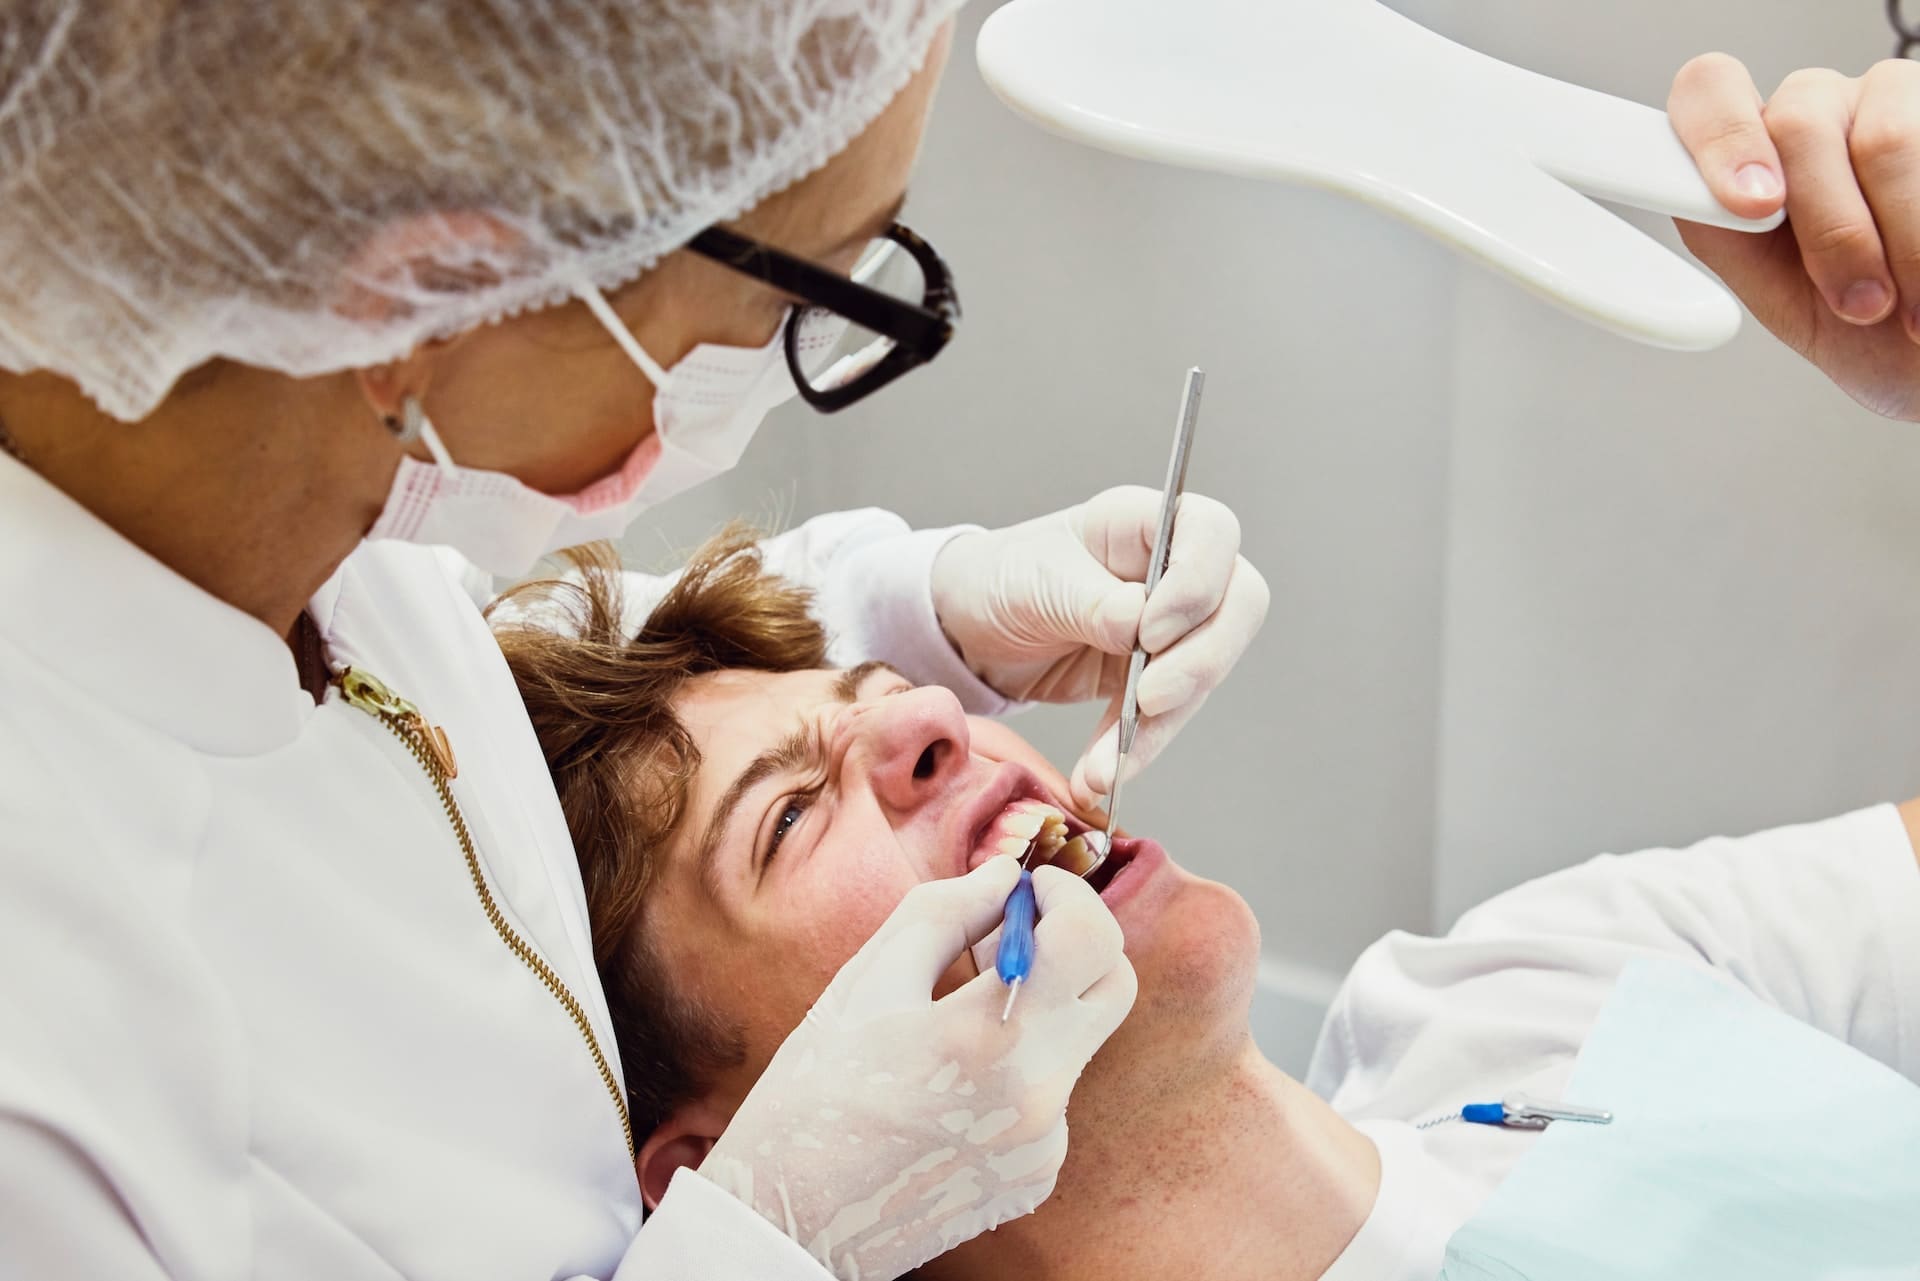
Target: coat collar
{"points": [[85, 604]]}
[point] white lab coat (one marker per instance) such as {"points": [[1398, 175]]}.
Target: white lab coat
{"points": [[1821, 920], [253, 1021]]}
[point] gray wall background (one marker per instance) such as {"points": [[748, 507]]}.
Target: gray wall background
{"points": [[1538, 592]]}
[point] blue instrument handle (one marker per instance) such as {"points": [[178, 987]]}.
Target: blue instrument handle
{"points": [[1015, 960]]}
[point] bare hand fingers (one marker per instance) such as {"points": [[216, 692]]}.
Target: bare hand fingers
{"points": [[1885, 147], [1810, 117], [1717, 113]]}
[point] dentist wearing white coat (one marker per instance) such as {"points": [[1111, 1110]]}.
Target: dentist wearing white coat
{"points": [[313, 316]]}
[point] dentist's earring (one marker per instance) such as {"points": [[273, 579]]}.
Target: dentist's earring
{"points": [[406, 424]]}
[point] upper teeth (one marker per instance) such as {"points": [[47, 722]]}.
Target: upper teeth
{"points": [[1027, 825]]}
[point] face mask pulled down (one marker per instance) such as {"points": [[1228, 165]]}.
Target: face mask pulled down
{"points": [[705, 410]]}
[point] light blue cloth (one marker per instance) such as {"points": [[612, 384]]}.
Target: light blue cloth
{"points": [[1746, 1146]]}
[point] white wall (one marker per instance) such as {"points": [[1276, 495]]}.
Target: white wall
{"points": [[1538, 592], [1681, 590]]}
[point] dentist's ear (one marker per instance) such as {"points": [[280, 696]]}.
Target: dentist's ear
{"points": [[683, 1139], [415, 258]]}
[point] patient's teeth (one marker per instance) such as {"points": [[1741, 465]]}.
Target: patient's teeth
{"points": [[1022, 823], [1075, 857], [1027, 824]]}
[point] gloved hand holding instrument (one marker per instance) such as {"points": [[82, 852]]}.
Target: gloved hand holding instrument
{"points": [[1014, 961], [879, 1061], [1053, 608]]}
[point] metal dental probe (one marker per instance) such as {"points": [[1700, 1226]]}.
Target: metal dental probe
{"points": [[1014, 961], [1162, 545]]}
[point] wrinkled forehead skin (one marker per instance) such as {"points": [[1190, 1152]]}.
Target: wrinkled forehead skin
{"points": [[188, 181]]}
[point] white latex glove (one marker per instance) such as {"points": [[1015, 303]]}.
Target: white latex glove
{"points": [[891, 1127], [1048, 610]]}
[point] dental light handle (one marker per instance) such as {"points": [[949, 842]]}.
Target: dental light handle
{"points": [[1015, 959], [1349, 96]]}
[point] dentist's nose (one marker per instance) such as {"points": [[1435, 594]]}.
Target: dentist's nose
{"points": [[909, 745]]}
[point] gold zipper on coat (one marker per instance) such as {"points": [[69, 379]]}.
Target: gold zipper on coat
{"points": [[430, 747]]}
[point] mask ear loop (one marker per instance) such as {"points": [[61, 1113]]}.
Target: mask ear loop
{"points": [[431, 439], [611, 322]]}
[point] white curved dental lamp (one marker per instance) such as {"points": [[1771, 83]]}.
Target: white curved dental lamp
{"points": [[1350, 96]]}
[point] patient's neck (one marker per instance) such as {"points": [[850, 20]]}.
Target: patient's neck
{"points": [[1246, 1175]]}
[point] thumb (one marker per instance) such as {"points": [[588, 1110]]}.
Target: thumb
{"points": [[936, 922]]}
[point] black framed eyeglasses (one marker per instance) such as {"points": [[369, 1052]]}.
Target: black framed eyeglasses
{"points": [[849, 337]]}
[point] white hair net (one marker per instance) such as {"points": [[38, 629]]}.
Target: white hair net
{"points": [[314, 185]]}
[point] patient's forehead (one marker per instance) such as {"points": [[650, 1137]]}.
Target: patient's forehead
{"points": [[739, 700]]}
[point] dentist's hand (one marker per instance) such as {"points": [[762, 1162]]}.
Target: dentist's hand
{"points": [[890, 1126], [1840, 281], [1048, 610]]}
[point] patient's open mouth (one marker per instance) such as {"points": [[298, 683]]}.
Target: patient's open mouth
{"points": [[1055, 838]]}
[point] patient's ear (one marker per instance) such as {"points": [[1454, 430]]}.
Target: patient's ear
{"points": [[684, 1138]]}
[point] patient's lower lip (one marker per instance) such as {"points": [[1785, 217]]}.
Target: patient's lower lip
{"points": [[1145, 858]]}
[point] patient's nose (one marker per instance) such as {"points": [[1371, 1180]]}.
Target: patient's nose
{"points": [[909, 745]]}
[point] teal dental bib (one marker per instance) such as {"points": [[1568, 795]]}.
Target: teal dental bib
{"points": [[1745, 1146]]}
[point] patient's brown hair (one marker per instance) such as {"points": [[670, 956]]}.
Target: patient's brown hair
{"points": [[623, 764]]}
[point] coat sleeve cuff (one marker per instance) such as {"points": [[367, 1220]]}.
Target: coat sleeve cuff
{"points": [[1891, 885], [885, 610], [700, 1232]]}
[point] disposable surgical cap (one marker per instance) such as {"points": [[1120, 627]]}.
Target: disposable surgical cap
{"points": [[315, 185]]}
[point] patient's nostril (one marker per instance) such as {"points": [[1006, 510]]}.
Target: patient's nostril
{"points": [[928, 762]]}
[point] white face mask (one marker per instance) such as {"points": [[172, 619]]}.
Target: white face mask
{"points": [[705, 410]]}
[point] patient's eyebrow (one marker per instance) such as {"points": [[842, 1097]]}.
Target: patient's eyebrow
{"points": [[801, 749]]}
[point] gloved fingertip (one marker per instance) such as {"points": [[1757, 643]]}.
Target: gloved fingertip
{"points": [[1078, 792], [1052, 885], [1165, 687], [1093, 776], [1145, 748], [999, 867]]}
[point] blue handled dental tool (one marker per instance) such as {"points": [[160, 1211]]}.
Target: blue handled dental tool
{"points": [[1170, 493], [1015, 959], [1521, 1112]]}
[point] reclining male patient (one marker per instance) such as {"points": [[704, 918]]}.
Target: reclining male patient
{"points": [[801, 803]]}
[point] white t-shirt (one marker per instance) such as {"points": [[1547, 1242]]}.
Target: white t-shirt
{"points": [[1821, 921]]}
